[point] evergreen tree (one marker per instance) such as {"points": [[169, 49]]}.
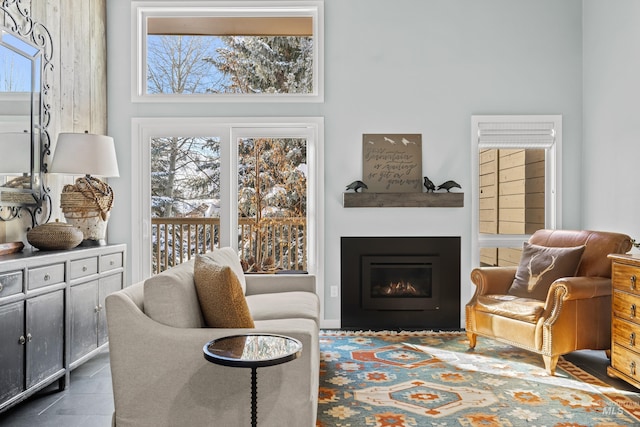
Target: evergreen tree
{"points": [[265, 64], [184, 172]]}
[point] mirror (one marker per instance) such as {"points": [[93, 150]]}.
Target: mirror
{"points": [[25, 63]]}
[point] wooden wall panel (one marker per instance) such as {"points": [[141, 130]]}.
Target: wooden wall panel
{"points": [[534, 189], [488, 209], [511, 199], [512, 186], [78, 86], [508, 257], [488, 257]]}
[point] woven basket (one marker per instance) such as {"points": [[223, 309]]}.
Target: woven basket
{"points": [[54, 236], [81, 206]]}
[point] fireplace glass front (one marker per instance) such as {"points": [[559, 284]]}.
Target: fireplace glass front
{"points": [[399, 282]]}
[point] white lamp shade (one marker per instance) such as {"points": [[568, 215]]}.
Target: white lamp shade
{"points": [[85, 154], [15, 153]]}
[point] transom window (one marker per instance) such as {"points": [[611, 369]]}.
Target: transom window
{"points": [[213, 51]]}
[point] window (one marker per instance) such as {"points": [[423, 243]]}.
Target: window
{"points": [[202, 173], [272, 202], [221, 51], [517, 175]]}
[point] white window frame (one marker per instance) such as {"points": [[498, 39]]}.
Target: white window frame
{"points": [[229, 130], [553, 178], [142, 10]]}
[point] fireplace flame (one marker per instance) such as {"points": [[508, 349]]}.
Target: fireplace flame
{"points": [[400, 288]]}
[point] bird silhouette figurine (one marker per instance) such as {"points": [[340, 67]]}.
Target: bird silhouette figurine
{"points": [[357, 185], [449, 185], [429, 185]]}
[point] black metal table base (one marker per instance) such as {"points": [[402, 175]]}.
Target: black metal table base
{"points": [[254, 397], [252, 351]]}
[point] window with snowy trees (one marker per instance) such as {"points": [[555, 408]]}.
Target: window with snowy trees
{"points": [[186, 205], [215, 51]]}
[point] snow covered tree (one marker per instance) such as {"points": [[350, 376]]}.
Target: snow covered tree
{"points": [[265, 64], [271, 184], [185, 172]]}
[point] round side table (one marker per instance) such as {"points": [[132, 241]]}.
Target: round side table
{"points": [[252, 351]]}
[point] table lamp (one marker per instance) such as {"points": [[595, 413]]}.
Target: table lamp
{"points": [[87, 203]]}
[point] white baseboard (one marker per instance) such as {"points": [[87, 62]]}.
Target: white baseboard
{"points": [[330, 323]]}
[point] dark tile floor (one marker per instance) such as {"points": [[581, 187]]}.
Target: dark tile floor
{"points": [[88, 401]]}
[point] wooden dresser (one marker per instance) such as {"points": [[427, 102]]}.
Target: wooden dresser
{"points": [[625, 318], [52, 316]]}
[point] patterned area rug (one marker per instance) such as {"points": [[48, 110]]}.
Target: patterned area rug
{"points": [[389, 379]]}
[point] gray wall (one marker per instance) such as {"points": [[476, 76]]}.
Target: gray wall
{"points": [[611, 151], [403, 66]]}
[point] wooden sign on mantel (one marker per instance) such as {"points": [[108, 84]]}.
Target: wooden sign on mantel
{"points": [[392, 163]]}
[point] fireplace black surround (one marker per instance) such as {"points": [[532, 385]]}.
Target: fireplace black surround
{"points": [[400, 282]]}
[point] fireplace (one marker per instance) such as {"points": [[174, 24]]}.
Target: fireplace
{"points": [[400, 282]]}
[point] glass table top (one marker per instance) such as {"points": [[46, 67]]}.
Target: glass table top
{"points": [[252, 350]]}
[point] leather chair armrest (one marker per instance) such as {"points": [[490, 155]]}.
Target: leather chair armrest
{"points": [[493, 280], [580, 288]]}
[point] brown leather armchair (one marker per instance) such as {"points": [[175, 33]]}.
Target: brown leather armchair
{"points": [[576, 313]]}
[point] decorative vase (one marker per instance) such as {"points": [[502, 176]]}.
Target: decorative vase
{"points": [[87, 205], [54, 236]]}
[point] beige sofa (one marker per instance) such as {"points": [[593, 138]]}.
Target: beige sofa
{"points": [[159, 373]]}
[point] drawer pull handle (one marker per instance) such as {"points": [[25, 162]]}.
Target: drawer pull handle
{"points": [[112, 262], [84, 268], [632, 369], [47, 277], [1, 287], [29, 337], [632, 339], [632, 312], [633, 282], [22, 340]]}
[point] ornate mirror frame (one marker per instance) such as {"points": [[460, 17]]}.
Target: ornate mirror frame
{"points": [[35, 199]]}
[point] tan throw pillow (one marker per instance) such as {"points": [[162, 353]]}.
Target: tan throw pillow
{"points": [[228, 256], [220, 295], [540, 266]]}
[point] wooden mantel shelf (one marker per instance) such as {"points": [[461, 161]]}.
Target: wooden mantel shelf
{"points": [[403, 200]]}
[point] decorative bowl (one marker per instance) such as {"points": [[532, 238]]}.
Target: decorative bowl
{"points": [[54, 236]]}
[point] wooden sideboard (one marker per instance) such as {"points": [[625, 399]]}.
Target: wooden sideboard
{"points": [[52, 315], [625, 318]]}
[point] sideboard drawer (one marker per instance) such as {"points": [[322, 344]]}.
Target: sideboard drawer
{"points": [[83, 267], [626, 306], [45, 276], [626, 362], [625, 334], [10, 283], [625, 278], [111, 261]]}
